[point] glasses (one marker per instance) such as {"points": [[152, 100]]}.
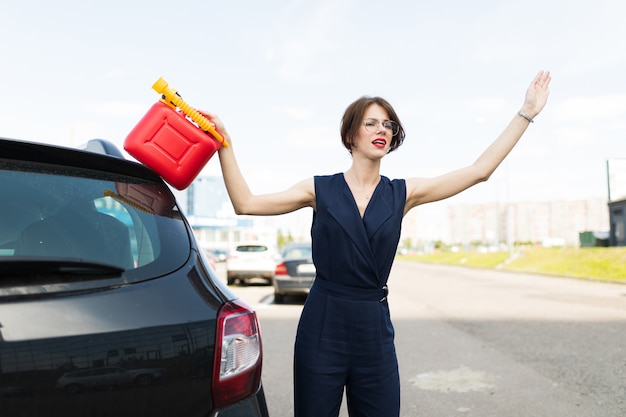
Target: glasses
{"points": [[371, 125]]}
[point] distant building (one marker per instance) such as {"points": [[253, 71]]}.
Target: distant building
{"points": [[616, 181], [210, 213], [617, 215], [550, 223]]}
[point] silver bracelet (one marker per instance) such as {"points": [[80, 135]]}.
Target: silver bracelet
{"points": [[525, 116]]}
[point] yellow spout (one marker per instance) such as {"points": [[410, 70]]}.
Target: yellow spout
{"points": [[171, 97]]}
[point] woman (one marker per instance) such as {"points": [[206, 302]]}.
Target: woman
{"points": [[345, 336]]}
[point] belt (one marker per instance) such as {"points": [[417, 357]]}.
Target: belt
{"points": [[353, 293]]}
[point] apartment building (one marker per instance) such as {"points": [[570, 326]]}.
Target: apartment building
{"points": [[549, 222]]}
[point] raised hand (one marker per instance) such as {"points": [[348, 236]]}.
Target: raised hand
{"points": [[537, 94]]}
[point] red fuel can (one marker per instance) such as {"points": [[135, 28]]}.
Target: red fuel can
{"points": [[172, 145]]}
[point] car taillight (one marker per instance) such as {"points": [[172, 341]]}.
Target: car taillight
{"points": [[238, 354], [281, 269]]}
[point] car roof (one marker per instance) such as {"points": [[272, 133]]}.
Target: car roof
{"points": [[79, 158], [297, 244]]}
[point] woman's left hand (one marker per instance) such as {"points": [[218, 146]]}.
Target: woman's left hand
{"points": [[537, 94]]}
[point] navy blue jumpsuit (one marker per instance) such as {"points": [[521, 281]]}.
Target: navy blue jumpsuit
{"points": [[345, 337]]}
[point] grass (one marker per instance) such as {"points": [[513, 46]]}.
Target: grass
{"points": [[599, 264]]}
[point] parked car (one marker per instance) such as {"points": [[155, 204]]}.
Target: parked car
{"points": [[295, 273], [250, 260], [219, 254], [101, 277]]}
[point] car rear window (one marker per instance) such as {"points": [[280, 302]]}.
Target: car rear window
{"points": [[252, 248], [298, 252], [57, 213]]}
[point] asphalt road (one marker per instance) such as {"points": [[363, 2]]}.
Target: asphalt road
{"points": [[481, 343]]}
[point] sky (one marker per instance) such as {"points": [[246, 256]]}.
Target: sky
{"points": [[281, 73]]}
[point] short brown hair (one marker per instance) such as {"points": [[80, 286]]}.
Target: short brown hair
{"points": [[353, 117]]}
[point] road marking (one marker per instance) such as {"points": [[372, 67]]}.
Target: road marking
{"points": [[462, 379]]}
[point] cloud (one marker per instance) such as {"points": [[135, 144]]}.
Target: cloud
{"points": [[108, 109], [321, 137], [300, 55], [590, 110], [295, 113], [116, 73], [488, 108], [575, 136]]}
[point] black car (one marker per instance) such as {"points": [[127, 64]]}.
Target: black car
{"points": [[107, 305], [295, 273]]}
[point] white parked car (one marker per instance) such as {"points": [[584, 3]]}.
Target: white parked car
{"points": [[250, 260]]}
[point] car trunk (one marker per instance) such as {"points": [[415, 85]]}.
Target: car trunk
{"points": [[133, 335]]}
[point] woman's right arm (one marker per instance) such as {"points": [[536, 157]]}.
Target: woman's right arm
{"points": [[296, 197]]}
